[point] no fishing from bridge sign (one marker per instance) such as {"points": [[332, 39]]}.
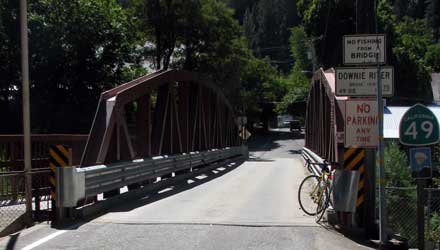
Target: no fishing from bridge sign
{"points": [[361, 123], [364, 49]]}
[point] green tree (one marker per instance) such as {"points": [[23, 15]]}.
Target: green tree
{"points": [[77, 49], [300, 47], [412, 39], [397, 170], [432, 57], [297, 84], [433, 17], [9, 66], [267, 29]]}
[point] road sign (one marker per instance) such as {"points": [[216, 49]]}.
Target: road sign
{"points": [[420, 161], [419, 127], [245, 134], [363, 81], [364, 49], [361, 123]]}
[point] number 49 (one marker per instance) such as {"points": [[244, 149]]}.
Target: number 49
{"points": [[426, 127]]}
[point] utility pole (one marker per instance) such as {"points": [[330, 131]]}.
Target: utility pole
{"points": [[383, 236], [367, 23], [26, 109]]}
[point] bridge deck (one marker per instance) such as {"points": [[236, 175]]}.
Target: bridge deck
{"points": [[250, 206]]}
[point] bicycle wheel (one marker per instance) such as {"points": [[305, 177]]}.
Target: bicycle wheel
{"points": [[322, 203], [308, 193]]}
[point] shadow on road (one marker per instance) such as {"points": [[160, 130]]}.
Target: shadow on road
{"points": [[272, 140], [180, 186], [295, 152], [155, 192], [12, 241]]}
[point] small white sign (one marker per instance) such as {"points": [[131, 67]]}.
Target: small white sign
{"points": [[245, 134], [435, 83], [363, 81], [364, 49], [361, 123]]}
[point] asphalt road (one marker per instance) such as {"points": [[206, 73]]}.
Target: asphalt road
{"points": [[247, 206]]}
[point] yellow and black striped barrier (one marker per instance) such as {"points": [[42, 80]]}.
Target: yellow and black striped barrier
{"points": [[59, 156], [354, 160]]}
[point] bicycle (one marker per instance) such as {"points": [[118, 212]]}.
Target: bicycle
{"points": [[314, 191]]}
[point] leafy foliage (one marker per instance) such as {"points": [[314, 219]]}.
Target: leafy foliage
{"points": [[412, 39], [435, 231], [432, 57], [297, 83], [397, 170], [433, 17], [299, 47], [266, 25], [77, 49], [409, 34], [80, 48]]}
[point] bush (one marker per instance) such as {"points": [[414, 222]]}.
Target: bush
{"points": [[434, 234], [397, 170]]}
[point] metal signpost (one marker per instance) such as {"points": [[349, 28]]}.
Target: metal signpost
{"points": [[361, 50], [26, 108], [351, 81], [419, 127]]}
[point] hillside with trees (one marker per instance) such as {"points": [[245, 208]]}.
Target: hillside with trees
{"points": [[261, 53]]}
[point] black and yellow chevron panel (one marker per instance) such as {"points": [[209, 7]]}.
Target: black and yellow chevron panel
{"points": [[354, 160], [59, 156]]}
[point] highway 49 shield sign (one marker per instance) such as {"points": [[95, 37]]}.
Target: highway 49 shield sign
{"points": [[418, 127]]}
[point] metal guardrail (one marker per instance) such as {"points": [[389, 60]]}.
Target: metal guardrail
{"points": [[75, 183], [311, 156]]}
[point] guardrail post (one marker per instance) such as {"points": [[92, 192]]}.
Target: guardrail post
{"points": [[354, 160], [245, 151], [59, 156]]}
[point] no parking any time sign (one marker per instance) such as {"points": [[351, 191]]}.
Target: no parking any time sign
{"points": [[361, 123]]}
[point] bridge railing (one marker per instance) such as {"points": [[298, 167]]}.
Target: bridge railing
{"points": [[309, 155], [76, 183]]}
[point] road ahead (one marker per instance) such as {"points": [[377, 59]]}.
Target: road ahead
{"points": [[247, 206]]}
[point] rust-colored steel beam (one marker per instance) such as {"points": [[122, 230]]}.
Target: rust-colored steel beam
{"points": [[165, 112], [320, 125]]}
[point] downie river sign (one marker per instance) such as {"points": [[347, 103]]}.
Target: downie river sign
{"points": [[351, 81]]}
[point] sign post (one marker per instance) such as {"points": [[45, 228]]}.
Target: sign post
{"points": [[381, 149], [26, 108], [366, 129], [419, 127]]}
